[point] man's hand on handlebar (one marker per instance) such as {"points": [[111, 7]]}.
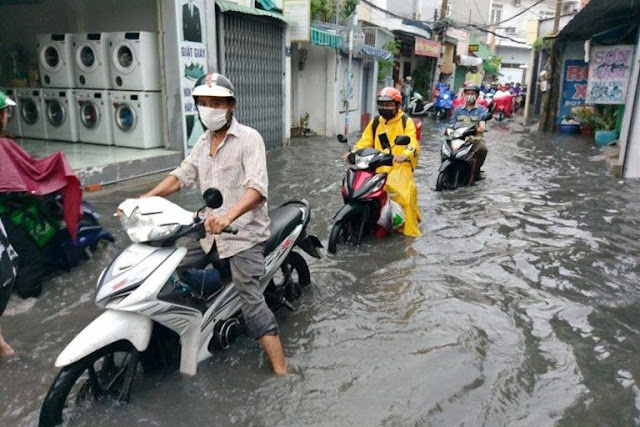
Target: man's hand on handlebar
{"points": [[215, 225], [345, 156]]}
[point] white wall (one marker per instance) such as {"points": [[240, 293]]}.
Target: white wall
{"points": [[476, 10], [22, 22], [513, 55], [630, 132], [312, 87], [519, 23]]}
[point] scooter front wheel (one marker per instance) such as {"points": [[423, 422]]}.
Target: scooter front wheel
{"points": [[447, 180], [336, 237], [107, 373]]}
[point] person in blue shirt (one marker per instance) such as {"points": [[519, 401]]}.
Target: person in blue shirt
{"points": [[468, 114]]}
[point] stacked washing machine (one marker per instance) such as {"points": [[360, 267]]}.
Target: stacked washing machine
{"points": [[99, 88], [136, 103]]}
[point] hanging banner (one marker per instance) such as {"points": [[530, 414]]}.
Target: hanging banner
{"points": [[574, 87], [193, 64], [609, 71], [426, 47], [298, 13]]}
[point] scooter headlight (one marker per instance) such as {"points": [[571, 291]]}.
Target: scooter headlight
{"points": [[142, 228], [445, 150], [456, 144], [362, 162], [459, 132]]}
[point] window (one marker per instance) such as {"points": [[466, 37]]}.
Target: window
{"points": [[546, 14], [496, 13], [449, 10], [511, 30]]}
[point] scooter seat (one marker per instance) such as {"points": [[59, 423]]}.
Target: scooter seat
{"points": [[283, 221]]}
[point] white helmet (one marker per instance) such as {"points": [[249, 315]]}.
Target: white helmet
{"points": [[214, 84]]}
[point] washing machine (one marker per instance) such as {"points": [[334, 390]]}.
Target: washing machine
{"points": [[137, 119], [91, 60], [54, 60], [31, 113], [94, 116], [13, 123], [61, 114], [135, 63]]}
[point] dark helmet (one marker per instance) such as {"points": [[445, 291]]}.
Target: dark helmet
{"points": [[471, 86], [214, 84]]}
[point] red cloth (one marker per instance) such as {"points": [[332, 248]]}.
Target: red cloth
{"points": [[459, 102], [19, 172], [504, 102], [483, 103]]}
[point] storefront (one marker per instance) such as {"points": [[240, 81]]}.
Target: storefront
{"points": [[599, 80], [109, 82]]}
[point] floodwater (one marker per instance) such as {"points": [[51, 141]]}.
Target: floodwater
{"points": [[517, 306]]}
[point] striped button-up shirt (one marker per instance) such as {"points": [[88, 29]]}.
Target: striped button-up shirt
{"points": [[239, 163]]}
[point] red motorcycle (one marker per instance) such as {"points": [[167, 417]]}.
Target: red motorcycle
{"points": [[366, 200], [502, 107]]}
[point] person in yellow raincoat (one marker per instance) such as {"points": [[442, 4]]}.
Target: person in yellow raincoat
{"points": [[400, 182]]}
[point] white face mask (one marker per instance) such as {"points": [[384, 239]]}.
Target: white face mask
{"points": [[213, 118]]}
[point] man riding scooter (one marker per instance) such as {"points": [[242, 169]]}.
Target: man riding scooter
{"points": [[380, 134], [469, 114]]}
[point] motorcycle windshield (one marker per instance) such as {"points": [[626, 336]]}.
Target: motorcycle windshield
{"points": [[152, 218]]}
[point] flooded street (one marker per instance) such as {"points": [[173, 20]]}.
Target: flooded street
{"points": [[517, 306]]}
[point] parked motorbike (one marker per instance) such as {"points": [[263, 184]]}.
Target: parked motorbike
{"points": [[60, 252], [365, 197], [157, 315], [444, 104], [503, 107], [458, 167], [417, 106]]}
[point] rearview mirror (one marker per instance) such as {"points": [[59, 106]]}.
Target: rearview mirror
{"points": [[342, 138], [487, 117], [212, 198], [402, 140]]}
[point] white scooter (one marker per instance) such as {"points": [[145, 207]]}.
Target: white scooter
{"points": [[417, 106], [159, 316]]}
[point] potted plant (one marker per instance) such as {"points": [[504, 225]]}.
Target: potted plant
{"points": [[586, 117], [606, 121]]}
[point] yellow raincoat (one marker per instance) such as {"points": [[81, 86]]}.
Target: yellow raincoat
{"points": [[400, 183]]}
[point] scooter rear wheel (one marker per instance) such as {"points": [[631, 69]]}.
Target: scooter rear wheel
{"points": [[106, 373]]}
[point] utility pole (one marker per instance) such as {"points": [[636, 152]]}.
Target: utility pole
{"points": [[547, 118], [443, 30]]}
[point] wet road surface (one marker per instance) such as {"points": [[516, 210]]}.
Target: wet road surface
{"points": [[518, 306]]}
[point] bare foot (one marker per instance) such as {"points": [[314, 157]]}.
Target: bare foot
{"points": [[6, 350]]}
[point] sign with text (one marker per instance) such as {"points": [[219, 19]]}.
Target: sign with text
{"points": [[193, 64], [473, 47], [299, 14], [609, 71], [574, 93], [426, 47]]}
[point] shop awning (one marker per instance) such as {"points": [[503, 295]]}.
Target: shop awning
{"points": [[229, 6], [376, 53], [599, 16], [324, 38], [267, 4]]}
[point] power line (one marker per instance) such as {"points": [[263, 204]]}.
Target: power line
{"points": [[517, 14], [479, 12]]}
